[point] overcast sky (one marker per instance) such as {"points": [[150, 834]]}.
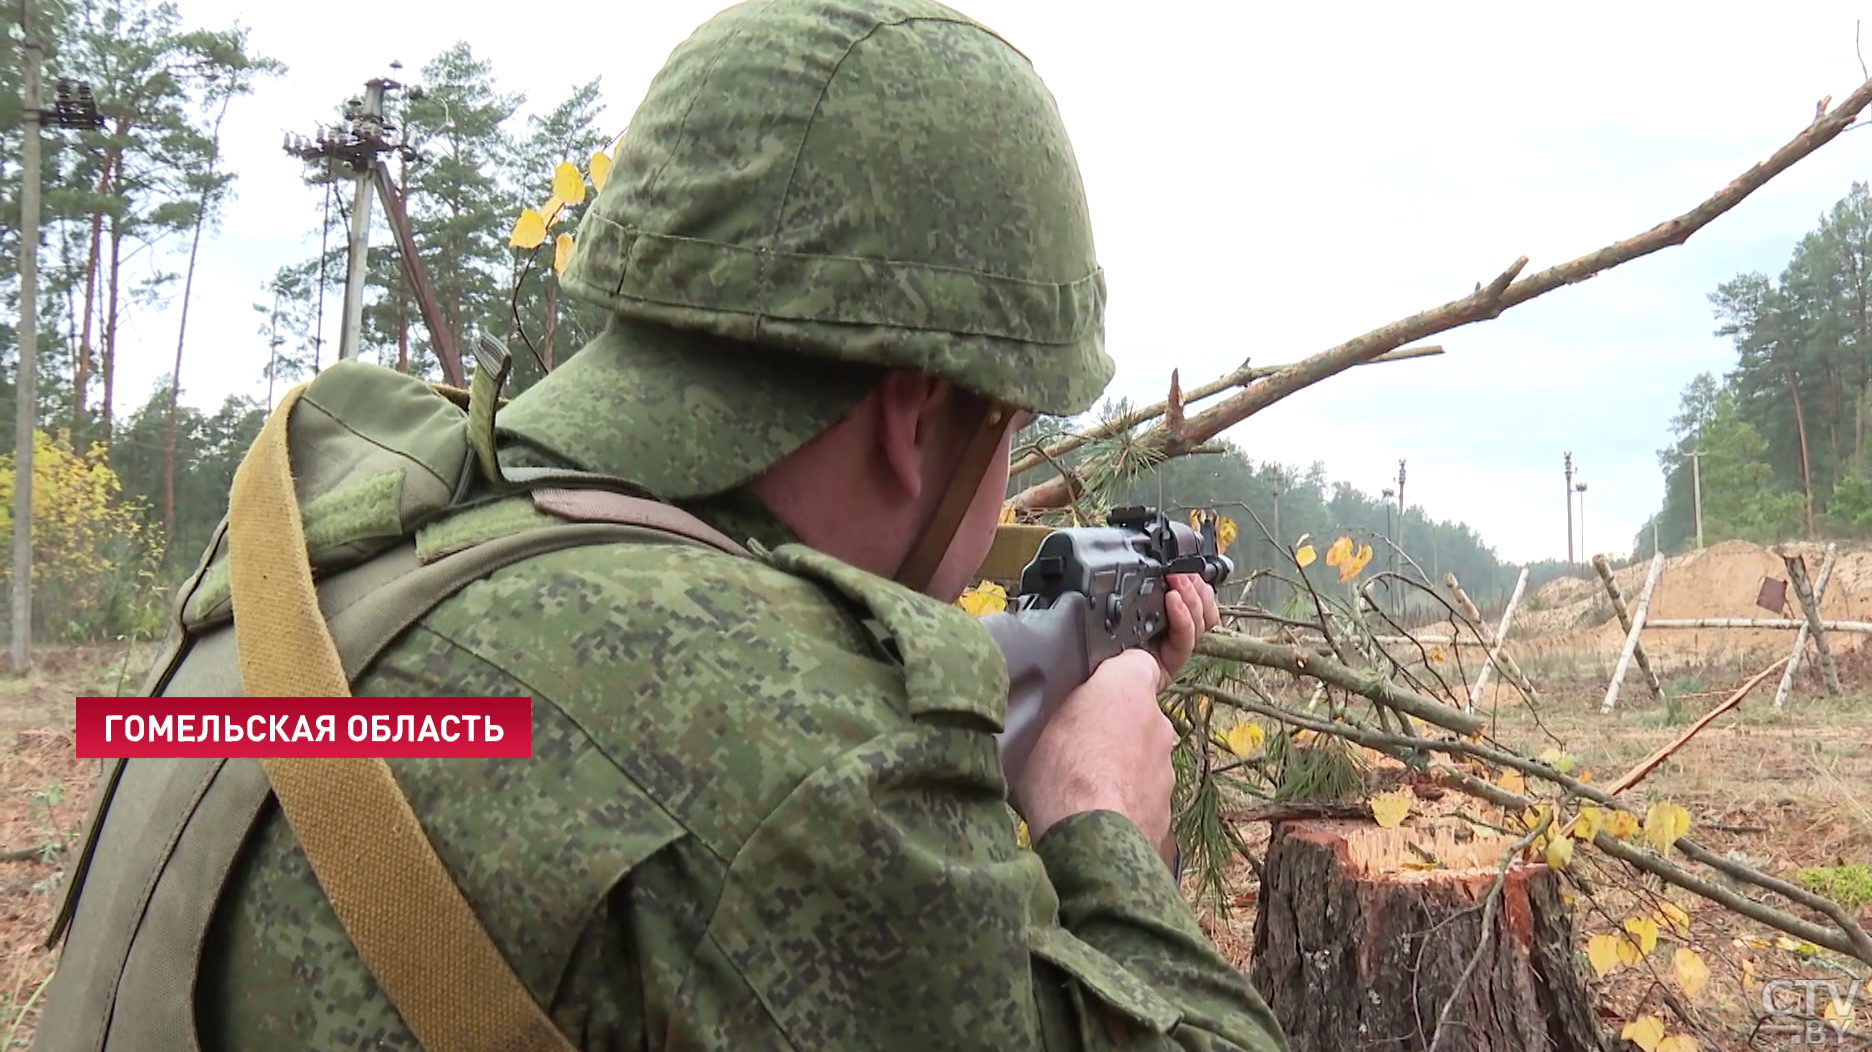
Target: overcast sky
{"points": [[1266, 181]]}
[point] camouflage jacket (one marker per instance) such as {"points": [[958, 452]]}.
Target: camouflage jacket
{"points": [[747, 825]]}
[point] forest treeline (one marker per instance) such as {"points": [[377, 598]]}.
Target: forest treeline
{"points": [[1778, 444], [127, 207]]}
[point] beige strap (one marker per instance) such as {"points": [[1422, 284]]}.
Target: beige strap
{"points": [[927, 552], [413, 929]]}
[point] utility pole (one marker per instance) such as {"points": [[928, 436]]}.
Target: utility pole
{"points": [[27, 410], [357, 150], [1398, 542], [1580, 488], [73, 108], [367, 124], [351, 149], [1696, 491], [1569, 509]]}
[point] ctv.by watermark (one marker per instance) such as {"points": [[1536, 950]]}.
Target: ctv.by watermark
{"points": [[1815, 1013]]}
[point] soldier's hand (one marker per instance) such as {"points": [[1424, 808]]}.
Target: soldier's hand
{"points": [[1107, 748], [1191, 609]]}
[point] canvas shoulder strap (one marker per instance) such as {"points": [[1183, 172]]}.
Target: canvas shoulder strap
{"points": [[411, 924]]}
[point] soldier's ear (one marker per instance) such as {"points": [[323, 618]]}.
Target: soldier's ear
{"points": [[914, 414]]}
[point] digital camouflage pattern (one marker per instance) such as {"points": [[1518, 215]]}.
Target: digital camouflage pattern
{"points": [[746, 826], [882, 182], [765, 809]]}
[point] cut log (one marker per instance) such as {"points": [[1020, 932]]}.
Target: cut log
{"points": [[1357, 944]]}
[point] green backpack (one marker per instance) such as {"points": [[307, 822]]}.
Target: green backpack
{"points": [[369, 497]]}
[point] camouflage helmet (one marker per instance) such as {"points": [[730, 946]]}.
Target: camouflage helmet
{"points": [[809, 186]]}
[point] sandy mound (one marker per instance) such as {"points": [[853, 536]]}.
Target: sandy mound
{"points": [[1574, 616]]}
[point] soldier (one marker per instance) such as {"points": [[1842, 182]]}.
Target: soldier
{"points": [[847, 253]]}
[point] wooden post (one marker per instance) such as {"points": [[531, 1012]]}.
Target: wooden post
{"points": [[1797, 576], [1506, 662], [1771, 624], [1631, 634], [1624, 619], [1501, 637], [1800, 637]]}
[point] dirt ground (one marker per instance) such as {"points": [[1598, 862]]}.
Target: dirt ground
{"points": [[45, 792], [1780, 791]]}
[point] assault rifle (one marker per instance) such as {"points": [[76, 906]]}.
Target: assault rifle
{"points": [[1089, 594]]}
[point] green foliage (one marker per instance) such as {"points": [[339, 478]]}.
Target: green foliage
{"points": [[1849, 885], [1788, 426], [94, 559], [1313, 768], [479, 160], [208, 449]]}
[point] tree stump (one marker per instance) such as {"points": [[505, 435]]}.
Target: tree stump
{"points": [[1359, 943]]}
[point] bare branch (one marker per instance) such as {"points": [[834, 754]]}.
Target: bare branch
{"points": [[1244, 374], [1484, 303]]}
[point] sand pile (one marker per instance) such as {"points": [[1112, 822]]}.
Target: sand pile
{"points": [[1574, 616]]}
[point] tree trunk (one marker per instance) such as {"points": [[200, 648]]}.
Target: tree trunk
{"points": [[81, 371], [1355, 949], [1800, 429], [109, 407], [188, 285]]}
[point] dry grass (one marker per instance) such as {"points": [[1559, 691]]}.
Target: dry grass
{"points": [[45, 792]]}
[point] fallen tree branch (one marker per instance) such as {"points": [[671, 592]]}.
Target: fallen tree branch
{"points": [[1245, 374], [1849, 938], [1299, 662], [1485, 303], [1650, 763]]}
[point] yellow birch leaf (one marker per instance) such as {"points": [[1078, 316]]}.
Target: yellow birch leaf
{"points": [[1665, 824], [1646, 1032], [1304, 556], [568, 184], [1340, 551], [1675, 917], [1621, 824], [1244, 738], [1558, 760], [529, 230], [1559, 853], [1692, 974], [983, 599], [1225, 535], [1389, 809], [1644, 929], [1436, 654], [1512, 781], [1007, 515], [600, 169], [1837, 1014], [1603, 952], [1629, 952], [1678, 1043], [562, 253], [1589, 822]]}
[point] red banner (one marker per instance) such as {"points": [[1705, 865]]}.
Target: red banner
{"points": [[320, 728]]}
